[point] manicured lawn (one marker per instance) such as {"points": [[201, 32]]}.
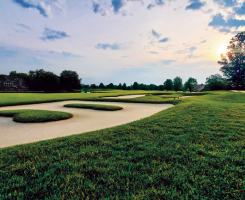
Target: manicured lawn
{"points": [[32, 116], [9, 99], [194, 150], [94, 106]]}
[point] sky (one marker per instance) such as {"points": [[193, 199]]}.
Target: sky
{"points": [[118, 41]]}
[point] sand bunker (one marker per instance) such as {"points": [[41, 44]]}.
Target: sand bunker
{"points": [[187, 96], [237, 91], [83, 120], [125, 97]]}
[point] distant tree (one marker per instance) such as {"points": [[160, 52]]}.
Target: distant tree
{"points": [[177, 83], [124, 86], [101, 86], [142, 86], [119, 86], [93, 86], [168, 85], [128, 88], [152, 87], [110, 86], [13, 73], [69, 80], [161, 87], [190, 84], [216, 82], [233, 61], [135, 86], [19, 75], [40, 80]]}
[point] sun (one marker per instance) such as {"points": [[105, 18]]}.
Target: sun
{"points": [[222, 49]]}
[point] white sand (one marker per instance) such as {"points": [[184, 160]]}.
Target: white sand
{"points": [[125, 97], [237, 91], [83, 120], [188, 96]]}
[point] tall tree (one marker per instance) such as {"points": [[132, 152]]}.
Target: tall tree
{"points": [[69, 80], [216, 82], [124, 87], [190, 84], [177, 83], [135, 86], [110, 86], [13, 73], [101, 86], [233, 61], [41, 80], [119, 86], [152, 86], [168, 84], [93, 86]]}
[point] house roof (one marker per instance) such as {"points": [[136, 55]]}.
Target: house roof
{"points": [[201, 86], [11, 78]]}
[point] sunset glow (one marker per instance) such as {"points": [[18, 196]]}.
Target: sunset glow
{"points": [[222, 49]]}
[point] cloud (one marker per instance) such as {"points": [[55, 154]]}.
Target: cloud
{"points": [[115, 46], [44, 9], [68, 54], [219, 22], [168, 62], [23, 26], [150, 6], [153, 52], [96, 7], [226, 3], [195, 5], [50, 34], [191, 50], [203, 41], [155, 34], [117, 5], [159, 2], [241, 10], [164, 40], [182, 51], [224, 30]]}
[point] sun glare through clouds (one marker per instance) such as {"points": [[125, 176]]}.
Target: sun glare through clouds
{"points": [[222, 49]]}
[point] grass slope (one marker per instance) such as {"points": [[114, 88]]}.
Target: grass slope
{"points": [[32, 116], [94, 106], [194, 150]]}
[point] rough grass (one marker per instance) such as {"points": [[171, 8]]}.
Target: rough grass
{"points": [[194, 150], [33, 116], [94, 106]]}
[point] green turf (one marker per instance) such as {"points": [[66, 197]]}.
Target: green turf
{"points": [[10, 99], [94, 106], [33, 116], [194, 150]]}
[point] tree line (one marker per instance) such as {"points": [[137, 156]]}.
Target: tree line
{"points": [[168, 85], [41, 80]]}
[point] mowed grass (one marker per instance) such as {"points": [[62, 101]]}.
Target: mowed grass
{"points": [[94, 106], [33, 116], [11, 99], [194, 150]]}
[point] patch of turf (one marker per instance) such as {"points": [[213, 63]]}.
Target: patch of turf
{"points": [[33, 116], [95, 106]]}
